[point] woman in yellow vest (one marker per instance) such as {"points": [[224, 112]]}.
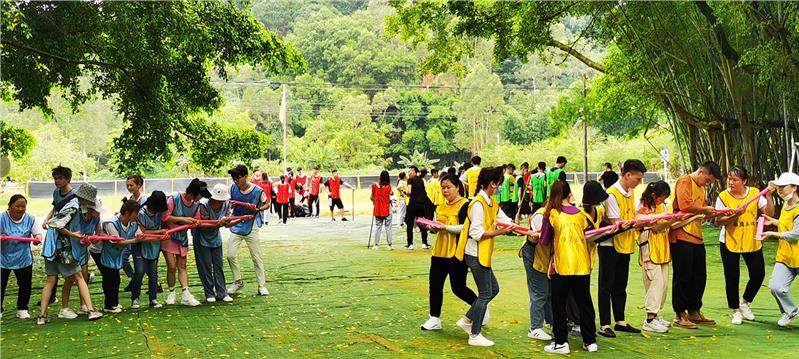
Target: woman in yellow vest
{"points": [[476, 247], [737, 237], [535, 257], [570, 267], [787, 267], [452, 213]]}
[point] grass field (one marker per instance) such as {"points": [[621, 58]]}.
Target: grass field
{"points": [[331, 297]]}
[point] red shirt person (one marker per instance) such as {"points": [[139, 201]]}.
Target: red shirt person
{"points": [[334, 187]]}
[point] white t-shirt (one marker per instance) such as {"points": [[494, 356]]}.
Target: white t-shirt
{"points": [[761, 204], [37, 225], [612, 210], [476, 218]]}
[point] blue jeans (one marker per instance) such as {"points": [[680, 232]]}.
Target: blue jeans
{"points": [[538, 288], [126, 252], [142, 266], [487, 289], [210, 270]]}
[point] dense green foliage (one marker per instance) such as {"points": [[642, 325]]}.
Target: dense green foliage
{"points": [[15, 142]]}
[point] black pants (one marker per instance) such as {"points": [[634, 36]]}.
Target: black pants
{"points": [[110, 285], [614, 270], [313, 202], [414, 210], [440, 268], [291, 206], [690, 276], [24, 281], [509, 208], [732, 274], [283, 211], [580, 287]]}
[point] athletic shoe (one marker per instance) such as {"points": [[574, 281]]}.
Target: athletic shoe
{"points": [[113, 310], [787, 318], [235, 287], [699, 318], [170, 299], [487, 316], [333, 219], [480, 341], [210, 300], [188, 299], [344, 219], [606, 332], [66, 313], [557, 349], [42, 320], [410, 247], [627, 328], [654, 326], [23, 314], [263, 291], [83, 310], [591, 348], [94, 315], [466, 327], [575, 331], [155, 304], [91, 277], [160, 288], [390, 247], [737, 318], [538, 334], [119, 306], [432, 324], [747, 312], [425, 246], [375, 246], [135, 304], [663, 322], [227, 299]]}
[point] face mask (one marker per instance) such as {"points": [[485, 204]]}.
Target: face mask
{"points": [[787, 198], [84, 209]]}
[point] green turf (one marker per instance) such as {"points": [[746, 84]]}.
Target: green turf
{"points": [[331, 297]]}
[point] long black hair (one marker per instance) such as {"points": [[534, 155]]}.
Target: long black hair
{"points": [[384, 180]]}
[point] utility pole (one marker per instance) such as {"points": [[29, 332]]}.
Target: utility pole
{"points": [[585, 130], [282, 115]]}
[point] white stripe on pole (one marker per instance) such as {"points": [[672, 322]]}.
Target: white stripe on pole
{"points": [[282, 116]]}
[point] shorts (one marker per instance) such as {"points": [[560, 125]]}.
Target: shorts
{"points": [[174, 247], [336, 202], [526, 209], [53, 268]]}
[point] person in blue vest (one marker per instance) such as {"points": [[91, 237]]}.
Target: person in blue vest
{"points": [[181, 207], [208, 243], [16, 256], [89, 224], [145, 253], [63, 193], [124, 225], [243, 190]]}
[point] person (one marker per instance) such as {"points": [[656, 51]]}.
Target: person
{"points": [[291, 181], [536, 257], [570, 267], [62, 178], [89, 224], [145, 253], [300, 185], [524, 193], [434, 194], [470, 174], [333, 185], [208, 243], [402, 201], [134, 184], [443, 263], [786, 267], [381, 198], [16, 256], [282, 189], [124, 225], [608, 176], [246, 231], [417, 206], [314, 184], [737, 239], [61, 250], [266, 185], [688, 249], [556, 172], [614, 255], [508, 198], [476, 247], [539, 186], [181, 208]]}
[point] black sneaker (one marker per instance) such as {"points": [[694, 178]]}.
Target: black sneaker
{"points": [[607, 333], [626, 328], [344, 219]]}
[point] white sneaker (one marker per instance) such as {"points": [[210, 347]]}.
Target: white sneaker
{"points": [[410, 247], [263, 291], [747, 312], [654, 326], [390, 247], [83, 310], [188, 299], [737, 318], [466, 327], [480, 341], [227, 299], [95, 314], [427, 246], [787, 318], [135, 304], [538, 334], [487, 316], [155, 304], [91, 277], [42, 320], [375, 246], [557, 349], [23, 314], [210, 300], [235, 287], [171, 297], [113, 310], [66, 313], [591, 348], [432, 324], [663, 322]]}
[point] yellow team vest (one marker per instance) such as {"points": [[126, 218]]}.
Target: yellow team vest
{"points": [[571, 253], [659, 247], [433, 189], [740, 235], [485, 247], [788, 252], [600, 214], [471, 181], [624, 243], [446, 242]]}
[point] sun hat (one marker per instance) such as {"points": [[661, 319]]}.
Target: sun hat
{"points": [[220, 192], [87, 192], [593, 193]]}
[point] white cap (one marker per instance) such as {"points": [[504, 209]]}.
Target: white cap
{"points": [[785, 179], [220, 192]]}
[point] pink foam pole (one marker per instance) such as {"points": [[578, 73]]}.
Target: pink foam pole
{"points": [[747, 203], [515, 227], [20, 239], [430, 223], [244, 204], [104, 238], [180, 228], [761, 222]]}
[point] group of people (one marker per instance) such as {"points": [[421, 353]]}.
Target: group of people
{"points": [[559, 248]]}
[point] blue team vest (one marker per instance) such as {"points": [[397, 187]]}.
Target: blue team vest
{"points": [[149, 250], [210, 238], [57, 197], [112, 254], [55, 243], [245, 227], [180, 210], [13, 254]]}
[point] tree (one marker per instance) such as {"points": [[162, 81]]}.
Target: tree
{"points": [[15, 142], [418, 159], [152, 59], [479, 108]]}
